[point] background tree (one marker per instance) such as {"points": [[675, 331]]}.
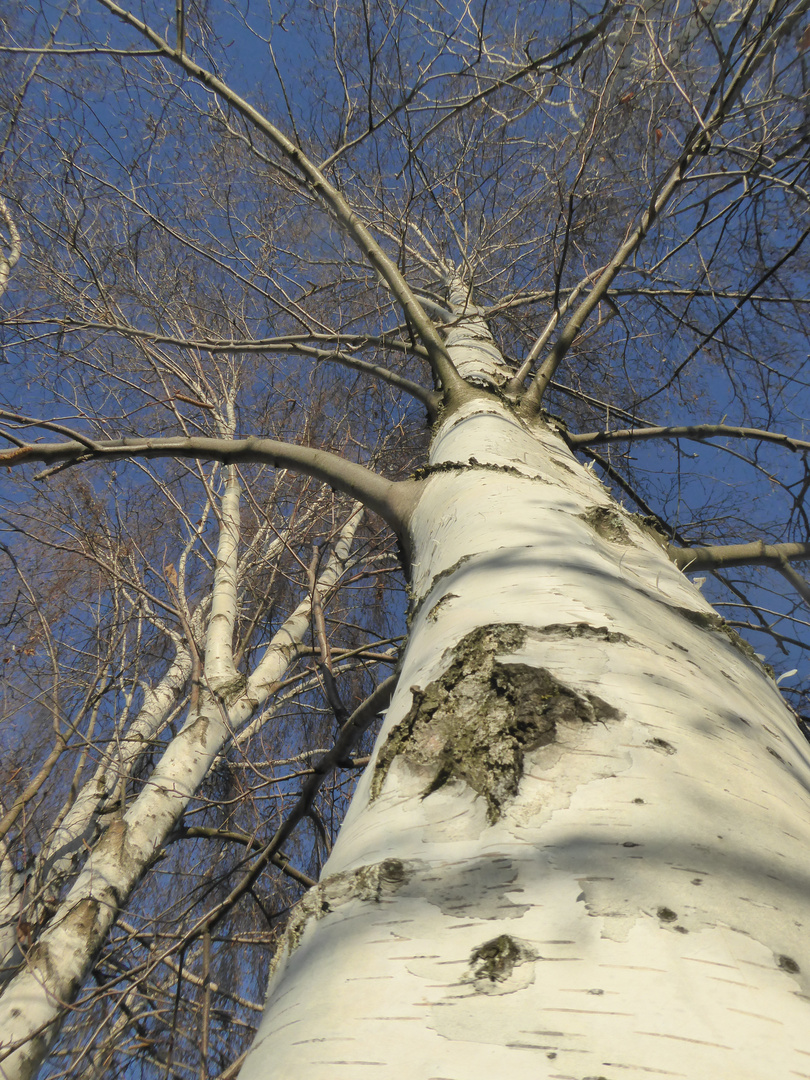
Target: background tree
{"points": [[248, 274]]}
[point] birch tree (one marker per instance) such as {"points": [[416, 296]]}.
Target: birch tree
{"points": [[523, 299]]}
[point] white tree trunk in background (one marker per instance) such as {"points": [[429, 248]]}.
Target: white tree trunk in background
{"points": [[582, 847], [32, 1005]]}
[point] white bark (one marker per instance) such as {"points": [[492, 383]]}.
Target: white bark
{"points": [[469, 342], [10, 247], [12, 883], [79, 825], [33, 1004], [624, 894], [219, 665], [73, 835]]}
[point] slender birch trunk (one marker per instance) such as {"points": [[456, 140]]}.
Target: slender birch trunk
{"points": [[35, 1001], [74, 835], [581, 847]]}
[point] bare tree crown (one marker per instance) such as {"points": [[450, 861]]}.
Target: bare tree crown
{"points": [[249, 262]]}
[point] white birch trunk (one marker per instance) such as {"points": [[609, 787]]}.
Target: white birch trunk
{"points": [[33, 1004], [80, 826], [581, 849], [469, 342], [12, 884], [219, 666]]}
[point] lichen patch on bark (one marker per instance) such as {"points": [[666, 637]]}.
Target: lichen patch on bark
{"points": [[82, 921], [230, 691], [477, 721], [493, 966], [580, 630], [441, 604], [369, 884], [607, 522]]}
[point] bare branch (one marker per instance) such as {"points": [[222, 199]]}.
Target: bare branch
{"points": [[291, 344], [389, 499], [698, 432], [251, 843], [696, 144], [358, 723], [799, 583], [616, 477], [757, 553], [326, 193], [322, 640]]}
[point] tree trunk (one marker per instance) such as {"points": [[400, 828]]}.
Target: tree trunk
{"points": [[34, 1002], [579, 849]]}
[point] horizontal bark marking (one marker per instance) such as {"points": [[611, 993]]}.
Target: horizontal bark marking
{"points": [[710, 620], [477, 721], [426, 471]]}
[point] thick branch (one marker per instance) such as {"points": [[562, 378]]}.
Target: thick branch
{"points": [[722, 556], [516, 384], [758, 553], [799, 583], [390, 500]]}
